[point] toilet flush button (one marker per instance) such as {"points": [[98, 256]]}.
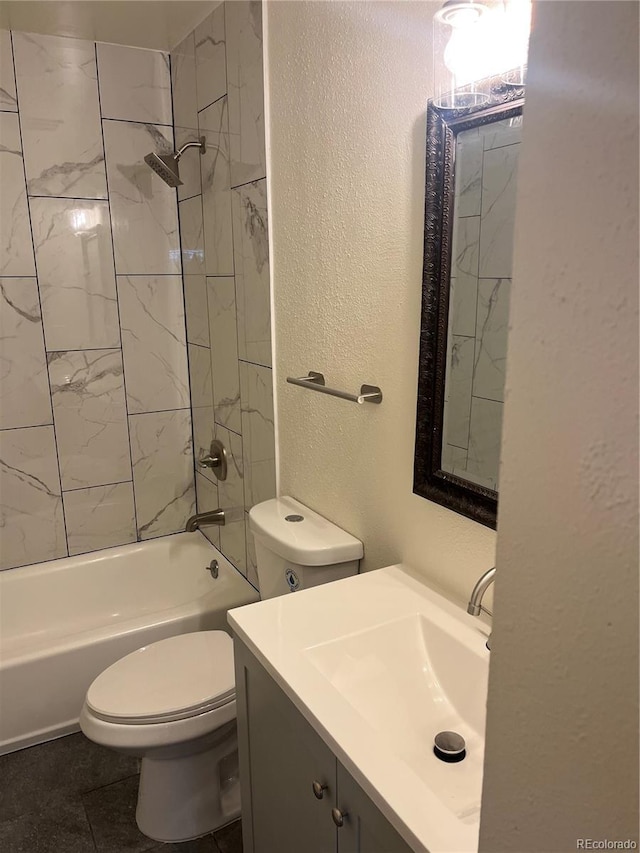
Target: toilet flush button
{"points": [[294, 518]]}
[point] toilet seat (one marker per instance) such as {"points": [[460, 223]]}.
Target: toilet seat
{"points": [[169, 680]]}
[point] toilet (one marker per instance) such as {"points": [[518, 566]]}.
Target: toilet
{"points": [[172, 703]]}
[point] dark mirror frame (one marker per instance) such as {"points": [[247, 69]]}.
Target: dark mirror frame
{"points": [[430, 481]]}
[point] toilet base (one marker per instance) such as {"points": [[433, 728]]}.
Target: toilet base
{"points": [[183, 797]]}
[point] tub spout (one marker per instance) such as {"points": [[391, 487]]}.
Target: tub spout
{"points": [[200, 519]]}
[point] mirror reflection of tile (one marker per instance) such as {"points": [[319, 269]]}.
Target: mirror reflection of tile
{"points": [[482, 249]]}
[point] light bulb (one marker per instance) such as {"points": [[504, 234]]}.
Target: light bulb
{"points": [[463, 56], [495, 42]]}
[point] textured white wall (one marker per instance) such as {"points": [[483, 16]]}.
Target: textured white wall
{"points": [[349, 83], [562, 732]]}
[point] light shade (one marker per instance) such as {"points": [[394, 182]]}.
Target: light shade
{"points": [[474, 41]]}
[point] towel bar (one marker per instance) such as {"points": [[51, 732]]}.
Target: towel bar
{"points": [[315, 381]]}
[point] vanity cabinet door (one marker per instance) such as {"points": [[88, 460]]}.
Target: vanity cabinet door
{"points": [[281, 757], [364, 828]]}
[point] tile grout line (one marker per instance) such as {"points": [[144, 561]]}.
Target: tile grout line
{"points": [[214, 423], [235, 199], [184, 291], [115, 276], [69, 197], [82, 349], [89, 824], [257, 363], [234, 431], [246, 461], [181, 201], [149, 274], [131, 415], [220, 97], [31, 426], [98, 486], [475, 325], [126, 778], [487, 399], [131, 120], [244, 443], [36, 276], [246, 183], [159, 412]]}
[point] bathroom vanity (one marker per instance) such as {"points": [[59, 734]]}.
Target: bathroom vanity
{"points": [[340, 691], [298, 794]]}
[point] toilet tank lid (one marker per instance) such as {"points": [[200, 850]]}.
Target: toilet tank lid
{"points": [[314, 541]]}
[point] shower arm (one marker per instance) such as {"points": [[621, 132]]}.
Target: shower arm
{"points": [[201, 145]]}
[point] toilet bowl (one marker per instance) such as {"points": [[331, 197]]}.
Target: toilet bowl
{"points": [[172, 703]]}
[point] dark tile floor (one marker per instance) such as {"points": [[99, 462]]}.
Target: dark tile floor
{"points": [[73, 796]]}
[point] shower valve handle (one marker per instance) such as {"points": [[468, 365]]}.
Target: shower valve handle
{"points": [[211, 462], [216, 460]]}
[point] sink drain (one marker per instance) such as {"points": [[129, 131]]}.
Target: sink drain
{"points": [[449, 746]]}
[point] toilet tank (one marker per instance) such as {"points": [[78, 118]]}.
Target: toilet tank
{"points": [[296, 548]]}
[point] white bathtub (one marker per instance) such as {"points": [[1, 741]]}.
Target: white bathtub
{"points": [[63, 622]]}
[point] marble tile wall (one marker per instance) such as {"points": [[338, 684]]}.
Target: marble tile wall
{"points": [[484, 210], [95, 410], [218, 93]]}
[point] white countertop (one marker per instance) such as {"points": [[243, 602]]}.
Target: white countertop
{"points": [[408, 790]]}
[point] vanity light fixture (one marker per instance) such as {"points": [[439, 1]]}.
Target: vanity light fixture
{"points": [[461, 13], [474, 40]]}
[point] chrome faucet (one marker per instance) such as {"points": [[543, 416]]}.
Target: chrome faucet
{"points": [[475, 606], [213, 516]]}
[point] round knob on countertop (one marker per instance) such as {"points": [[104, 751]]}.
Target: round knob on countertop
{"points": [[449, 746], [318, 789], [338, 817]]}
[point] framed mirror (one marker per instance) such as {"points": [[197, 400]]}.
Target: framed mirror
{"points": [[472, 162]]}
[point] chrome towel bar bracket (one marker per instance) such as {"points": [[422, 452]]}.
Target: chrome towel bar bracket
{"points": [[315, 381]]}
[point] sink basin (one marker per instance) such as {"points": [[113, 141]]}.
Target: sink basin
{"points": [[379, 664], [410, 679]]}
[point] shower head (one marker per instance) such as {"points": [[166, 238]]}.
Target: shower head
{"points": [[166, 165]]}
